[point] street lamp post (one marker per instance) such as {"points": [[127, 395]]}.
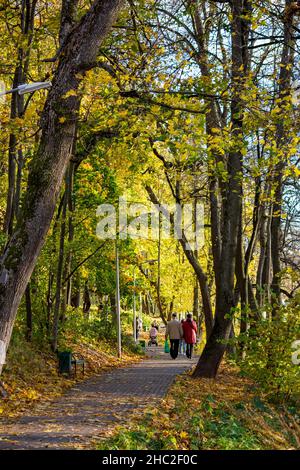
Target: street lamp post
{"points": [[118, 307], [28, 88], [134, 306]]}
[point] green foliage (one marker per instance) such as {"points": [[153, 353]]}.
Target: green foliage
{"points": [[225, 431], [141, 438], [98, 328], [158, 135], [93, 328], [269, 353]]}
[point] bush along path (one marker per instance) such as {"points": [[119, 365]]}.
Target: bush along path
{"points": [[92, 409]]}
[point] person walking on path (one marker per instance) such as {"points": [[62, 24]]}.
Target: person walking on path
{"points": [[182, 344], [175, 332], [153, 335], [139, 327], [189, 333]]}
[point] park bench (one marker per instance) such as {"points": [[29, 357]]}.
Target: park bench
{"points": [[78, 360], [68, 361]]}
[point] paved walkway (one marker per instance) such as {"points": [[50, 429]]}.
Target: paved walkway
{"points": [[93, 407]]}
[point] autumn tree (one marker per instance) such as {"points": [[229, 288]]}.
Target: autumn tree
{"points": [[58, 122]]}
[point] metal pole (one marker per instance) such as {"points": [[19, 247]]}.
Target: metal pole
{"points": [[118, 308], [28, 88], [134, 307], [141, 310], [3, 93]]}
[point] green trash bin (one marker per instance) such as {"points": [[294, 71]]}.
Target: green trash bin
{"points": [[143, 344], [64, 362]]}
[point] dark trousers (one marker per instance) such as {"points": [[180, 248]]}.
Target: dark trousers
{"points": [[189, 350], [174, 348]]}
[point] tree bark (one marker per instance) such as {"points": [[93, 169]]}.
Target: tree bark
{"points": [[49, 300], [86, 301], [216, 345], [196, 300], [59, 272], [285, 76], [70, 233], [76, 294], [28, 314]]}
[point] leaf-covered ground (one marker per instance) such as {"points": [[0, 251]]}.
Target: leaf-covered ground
{"points": [[228, 413], [93, 408], [31, 376], [224, 414]]}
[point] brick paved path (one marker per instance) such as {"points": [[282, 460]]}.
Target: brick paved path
{"points": [[92, 408]]}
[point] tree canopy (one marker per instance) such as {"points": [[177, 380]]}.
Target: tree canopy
{"points": [[191, 104]]}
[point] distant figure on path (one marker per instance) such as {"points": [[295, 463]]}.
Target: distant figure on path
{"points": [[153, 335], [139, 327], [182, 344], [175, 332], [189, 333]]}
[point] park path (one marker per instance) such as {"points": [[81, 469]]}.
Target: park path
{"points": [[95, 406]]}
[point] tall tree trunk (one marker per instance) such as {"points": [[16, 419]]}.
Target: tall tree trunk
{"points": [[241, 277], [71, 232], [15, 154], [49, 300], [266, 259], [48, 167], [196, 300], [76, 292], [10, 201], [59, 272], [196, 284], [113, 308], [66, 287], [86, 301], [212, 122], [68, 21], [286, 70], [225, 299]]}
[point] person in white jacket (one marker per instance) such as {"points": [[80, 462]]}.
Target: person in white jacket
{"points": [[175, 332]]}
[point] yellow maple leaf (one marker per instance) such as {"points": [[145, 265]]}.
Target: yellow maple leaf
{"points": [[69, 93]]}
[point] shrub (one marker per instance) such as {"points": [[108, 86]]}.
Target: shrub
{"points": [[269, 353]]}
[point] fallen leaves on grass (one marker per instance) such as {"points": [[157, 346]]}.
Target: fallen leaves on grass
{"points": [[226, 413], [31, 376]]}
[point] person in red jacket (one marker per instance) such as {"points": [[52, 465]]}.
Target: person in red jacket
{"points": [[189, 327]]}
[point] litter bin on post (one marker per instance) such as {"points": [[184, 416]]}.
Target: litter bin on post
{"points": [[64, 362], [143, 344]]}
